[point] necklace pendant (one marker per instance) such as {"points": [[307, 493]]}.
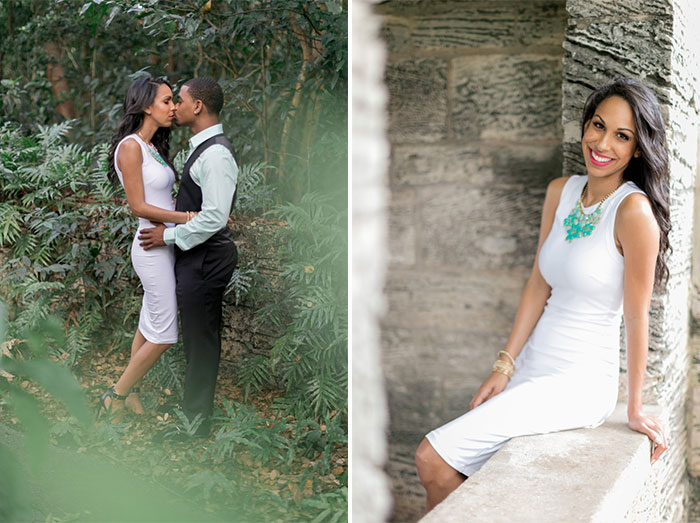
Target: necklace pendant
{"points": [[156, 155], [580, 225]]}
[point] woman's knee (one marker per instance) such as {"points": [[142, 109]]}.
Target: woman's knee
{"points": [[425, 456], [432, 468]]}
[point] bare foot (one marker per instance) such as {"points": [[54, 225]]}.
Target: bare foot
{"points": [[133, 403]]}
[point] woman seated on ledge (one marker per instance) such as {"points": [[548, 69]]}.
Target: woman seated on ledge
{"points": [[601, 252]]}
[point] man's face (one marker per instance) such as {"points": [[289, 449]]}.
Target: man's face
{"points": [[185, 107]]}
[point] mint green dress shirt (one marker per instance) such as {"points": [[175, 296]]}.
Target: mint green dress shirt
{"points": [[216, 173]]}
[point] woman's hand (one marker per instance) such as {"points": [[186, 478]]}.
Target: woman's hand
{"points": [[493, 385], [653, 428]]}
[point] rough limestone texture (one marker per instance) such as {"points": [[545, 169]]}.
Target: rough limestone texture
{"points": [[693, 408], [694, 396], [475, 132], [371, 498]]}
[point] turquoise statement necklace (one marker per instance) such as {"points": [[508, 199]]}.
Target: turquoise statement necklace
{"points": [[154, 152], [579, 224]]}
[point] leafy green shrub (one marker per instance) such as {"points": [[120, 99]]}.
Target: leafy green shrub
{"points": [[282, 65], [242, 427], [27, 103], [253, 195], [65, 239], [332, 506], [310, 304]]}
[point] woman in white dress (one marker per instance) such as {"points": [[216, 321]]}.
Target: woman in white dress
{"points": [[139, 161], [601, 253]]}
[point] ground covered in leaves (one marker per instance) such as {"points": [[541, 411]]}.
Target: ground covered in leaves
{"points": [[255, 466]]}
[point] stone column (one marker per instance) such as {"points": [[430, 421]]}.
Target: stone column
{"points": [[650, 41], [370, 489]]}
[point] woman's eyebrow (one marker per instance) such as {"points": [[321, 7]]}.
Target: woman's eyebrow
{"points": [[619, 128]]}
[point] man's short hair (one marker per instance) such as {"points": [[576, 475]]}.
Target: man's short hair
{"points": [[209, 91]]}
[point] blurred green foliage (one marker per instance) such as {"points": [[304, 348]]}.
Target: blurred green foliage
{"points": [[33, 364]]}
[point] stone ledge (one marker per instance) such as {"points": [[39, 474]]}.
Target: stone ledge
{"points": [[575, 475]]}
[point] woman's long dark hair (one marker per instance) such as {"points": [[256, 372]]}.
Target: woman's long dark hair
{"points": [[650, 171], [139, 97]]}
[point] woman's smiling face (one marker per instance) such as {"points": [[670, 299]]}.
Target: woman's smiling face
{"points": [[610, 138]]}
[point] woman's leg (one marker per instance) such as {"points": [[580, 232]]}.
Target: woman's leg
{"points": [[133, 403], [438, 478], [140, 363]]}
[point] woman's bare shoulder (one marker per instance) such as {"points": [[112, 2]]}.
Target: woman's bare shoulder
{"points": [[635, 211], [129, 151], [130, 146], [557, 184], [554, 189]]}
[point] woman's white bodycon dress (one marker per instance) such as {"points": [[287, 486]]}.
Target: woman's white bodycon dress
{"points": [[567, 372], [155, 267]]}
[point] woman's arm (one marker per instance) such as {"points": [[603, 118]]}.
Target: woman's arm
{"points": [[532, 301], [637, 235], [129, 160]]}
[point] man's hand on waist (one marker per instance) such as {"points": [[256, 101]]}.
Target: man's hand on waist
{"points": [[152, 237]]}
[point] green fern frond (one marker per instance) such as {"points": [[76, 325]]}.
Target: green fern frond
{"points": [[50, 135], [10, 223], [44, 287]]}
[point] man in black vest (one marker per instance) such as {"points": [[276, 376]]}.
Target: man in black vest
{"points": [[205, 255]]}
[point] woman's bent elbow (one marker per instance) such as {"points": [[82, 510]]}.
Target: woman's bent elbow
{"points": [[137, 210]]}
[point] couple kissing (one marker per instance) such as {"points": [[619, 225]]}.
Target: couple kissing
{"points": [[183, 252]]}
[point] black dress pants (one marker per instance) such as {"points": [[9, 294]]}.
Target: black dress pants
{"points": [[202, 274]]}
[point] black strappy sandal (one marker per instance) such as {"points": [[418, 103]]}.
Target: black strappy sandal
{"points": [[111, 393]]}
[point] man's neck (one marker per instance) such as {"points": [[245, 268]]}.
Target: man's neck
{"points": [[200, 125]]}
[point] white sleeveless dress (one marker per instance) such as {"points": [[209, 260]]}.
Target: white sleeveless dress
{"points": [[155, 267], [567, 372]]}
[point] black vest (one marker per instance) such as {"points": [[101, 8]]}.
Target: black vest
{"points": [[189, 195]]}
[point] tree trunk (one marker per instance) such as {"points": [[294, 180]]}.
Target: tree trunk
{"points": [[55, 74], [313, 113], [10, 30], [10, 18], [309, 54]]}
